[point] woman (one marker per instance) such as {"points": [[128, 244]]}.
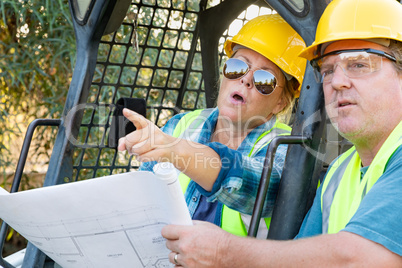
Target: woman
{"points": [[222, 150]]}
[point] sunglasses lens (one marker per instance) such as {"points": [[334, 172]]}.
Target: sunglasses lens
{"points": [[264, 82], [234, 69]]}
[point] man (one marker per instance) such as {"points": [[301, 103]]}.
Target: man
{"points": [[356, 218]]}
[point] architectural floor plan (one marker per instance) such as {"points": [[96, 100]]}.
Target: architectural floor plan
{"points": [[113, 221]]}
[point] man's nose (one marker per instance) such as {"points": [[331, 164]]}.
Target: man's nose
{"points": [[340, 79]]}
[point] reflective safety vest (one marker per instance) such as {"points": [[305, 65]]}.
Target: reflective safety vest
{"points": [[190, 127], [344, 189]]}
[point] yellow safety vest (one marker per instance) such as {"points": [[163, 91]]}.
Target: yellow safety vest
{"points": [[190, 127], [343, 188]]}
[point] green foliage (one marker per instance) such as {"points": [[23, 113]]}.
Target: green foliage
{"points": [[37, 47]]}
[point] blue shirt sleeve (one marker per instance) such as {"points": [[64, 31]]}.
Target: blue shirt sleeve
{"points": [[238, 181], [312, 223]]}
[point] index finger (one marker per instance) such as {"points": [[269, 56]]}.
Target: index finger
{"points": [[138, 120]]}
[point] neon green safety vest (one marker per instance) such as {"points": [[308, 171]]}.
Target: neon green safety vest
{"points": [[190, 127], [343, 188]]}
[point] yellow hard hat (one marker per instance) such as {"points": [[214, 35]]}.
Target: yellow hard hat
{"points": [[273, 38], [357, 19]]}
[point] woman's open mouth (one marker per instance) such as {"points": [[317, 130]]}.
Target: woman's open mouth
{"points": [[237, 98]]}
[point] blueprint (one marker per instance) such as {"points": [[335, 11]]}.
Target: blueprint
{"points": [[112, 221]]}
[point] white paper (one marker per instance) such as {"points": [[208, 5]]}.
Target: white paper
{"points": [[112, 221], [2, 191]]}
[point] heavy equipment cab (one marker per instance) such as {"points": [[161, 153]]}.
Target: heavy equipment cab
{"points": [[170, 53]]}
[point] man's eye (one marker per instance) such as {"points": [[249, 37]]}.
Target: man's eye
{"points": [[359, 65], [326, 71]]}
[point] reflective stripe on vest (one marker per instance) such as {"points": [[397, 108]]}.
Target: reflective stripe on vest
{"points": [[343, 188], [279, 129], [190, 127]]}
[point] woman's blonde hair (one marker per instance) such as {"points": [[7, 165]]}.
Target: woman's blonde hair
{"points": [[288, 96]]}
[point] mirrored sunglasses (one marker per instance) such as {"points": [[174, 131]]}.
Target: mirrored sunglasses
{"points": [[354, 63], [264, 81]]}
